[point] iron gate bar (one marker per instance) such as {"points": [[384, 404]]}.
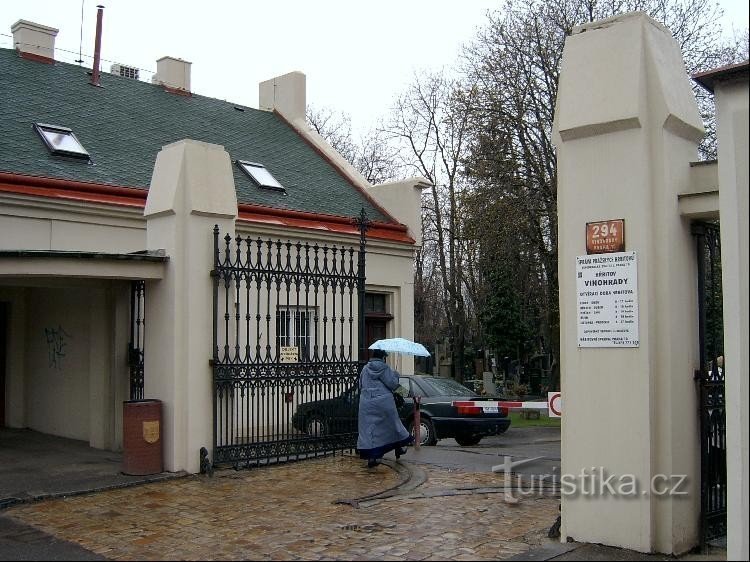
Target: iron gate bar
{"points": [[710, 378], [363, 223], [137, 339], [266, 410]]}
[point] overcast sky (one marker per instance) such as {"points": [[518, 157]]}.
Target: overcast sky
{"points": [[357, 55]]}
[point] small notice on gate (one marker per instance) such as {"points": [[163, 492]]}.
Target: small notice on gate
{"points": [[289, 354], [607, 291]]}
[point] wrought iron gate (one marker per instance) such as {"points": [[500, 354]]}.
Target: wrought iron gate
{"points": [[137, 338], [710, 379], [288, 340]]}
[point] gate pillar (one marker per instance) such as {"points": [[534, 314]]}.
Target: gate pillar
{"points": [[192, 189], [732, 101], [626, 128]]}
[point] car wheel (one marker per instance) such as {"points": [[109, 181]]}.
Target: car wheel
{"points": [[426, 431], [468, 440], [316, 426]]}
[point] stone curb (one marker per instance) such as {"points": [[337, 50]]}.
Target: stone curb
{"points": [[32, 497], [547, 552]]}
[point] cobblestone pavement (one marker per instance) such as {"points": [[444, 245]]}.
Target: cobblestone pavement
{"points": [[289, 512]]}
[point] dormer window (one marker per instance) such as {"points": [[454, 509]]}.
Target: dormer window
{"points": [[260, 175], [61, 141]]}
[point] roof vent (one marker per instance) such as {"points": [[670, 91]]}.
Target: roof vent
{"points": [[125, 71]]}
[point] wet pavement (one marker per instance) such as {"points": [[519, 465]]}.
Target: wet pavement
{"points": [[293, 512], [441, 504], [35, 466]]}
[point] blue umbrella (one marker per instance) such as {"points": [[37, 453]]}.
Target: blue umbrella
{"points": [[401, 345]]}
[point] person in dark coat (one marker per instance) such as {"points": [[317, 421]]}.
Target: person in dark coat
{"points": [[380, 429]]}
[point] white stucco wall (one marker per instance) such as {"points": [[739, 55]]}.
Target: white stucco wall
{"points": [[67, 371], [57, 362], [403, 200], [732, 127], [34, 224], [192, 189]]}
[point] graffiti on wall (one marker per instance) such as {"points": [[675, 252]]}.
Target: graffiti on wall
{"points": [[57, 342]]}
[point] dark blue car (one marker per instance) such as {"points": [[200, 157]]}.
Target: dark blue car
{"points": [[448, 410]]}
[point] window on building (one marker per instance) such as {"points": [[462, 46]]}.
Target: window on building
{"points": [[375, 303], [377, 317], [295, 328], [61, 141], [260, 175]]}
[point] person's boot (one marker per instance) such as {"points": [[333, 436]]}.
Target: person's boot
{"points": [[399, 452], [372, 463]]}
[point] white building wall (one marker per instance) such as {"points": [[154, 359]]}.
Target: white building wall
{"points": [[67, 371], [34, 224], [57, 361]]}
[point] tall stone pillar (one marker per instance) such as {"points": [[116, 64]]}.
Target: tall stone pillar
{"points": [[626, 129], [732, 116], [192, 189]]}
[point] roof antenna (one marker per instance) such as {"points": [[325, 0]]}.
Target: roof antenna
{"points": [[97, 46], [80, 45]]}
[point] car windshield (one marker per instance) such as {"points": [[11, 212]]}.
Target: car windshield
{"points": [[446, 387]]}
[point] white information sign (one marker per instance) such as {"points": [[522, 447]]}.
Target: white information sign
{"points": [[288, 354], [607, 287]]}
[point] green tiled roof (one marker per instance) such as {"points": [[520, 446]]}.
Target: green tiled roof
{"points": [[124, 124]]}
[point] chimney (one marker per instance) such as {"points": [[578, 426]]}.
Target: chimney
{"points": [[173, 74], [97, 46], [286, 94], [34, 41]]}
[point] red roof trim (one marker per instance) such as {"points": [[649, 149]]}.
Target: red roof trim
{"points": [[136, 197], [320, 217], [35, 57], [379, 230], [72, 190], [177, 91], [72, 185]]}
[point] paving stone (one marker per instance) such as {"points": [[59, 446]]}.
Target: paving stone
{"points": [[287, 512]]}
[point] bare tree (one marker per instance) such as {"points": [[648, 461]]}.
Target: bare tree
{"points": [[430, 125], [483, 139], [514, 63], [372, 156], [335, 128]]}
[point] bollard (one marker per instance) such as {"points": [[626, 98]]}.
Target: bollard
{"points": [[417, 420]]}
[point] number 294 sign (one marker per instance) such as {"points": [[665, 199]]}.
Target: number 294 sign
{"points": [[605, 236]]}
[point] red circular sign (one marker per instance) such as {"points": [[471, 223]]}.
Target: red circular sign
{"points": [[553, 404]]}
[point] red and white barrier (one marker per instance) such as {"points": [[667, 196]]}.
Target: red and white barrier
{"points": [[553, 405]]}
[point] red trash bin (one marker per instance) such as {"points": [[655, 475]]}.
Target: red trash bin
{"points": [[141, 437]]}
